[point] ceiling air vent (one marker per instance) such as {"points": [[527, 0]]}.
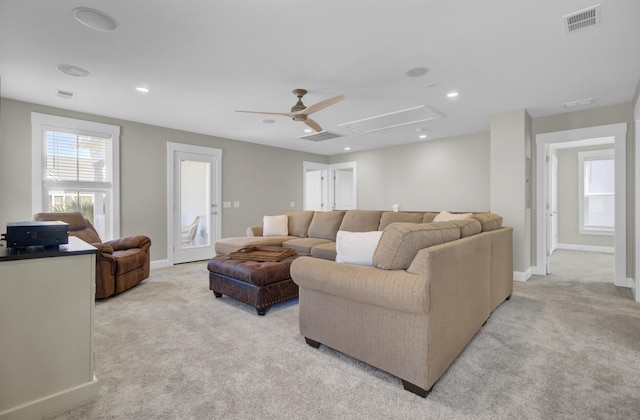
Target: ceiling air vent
{"points": [[321, 136], [582, 19], [66, 95]]}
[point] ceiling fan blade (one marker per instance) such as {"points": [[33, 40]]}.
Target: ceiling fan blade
{"points": [[313, 124], [286, 114], [322, 105]]}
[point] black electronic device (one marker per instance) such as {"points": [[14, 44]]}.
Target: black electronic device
{"points": [[49, 234]]}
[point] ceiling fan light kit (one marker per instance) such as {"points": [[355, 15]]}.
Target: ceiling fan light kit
{"points": [[300, 112]]}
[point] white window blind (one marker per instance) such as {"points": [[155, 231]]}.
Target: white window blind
{"points": [[77, 158]]}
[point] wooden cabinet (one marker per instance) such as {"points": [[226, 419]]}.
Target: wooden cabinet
{"points": [[46, 329]]}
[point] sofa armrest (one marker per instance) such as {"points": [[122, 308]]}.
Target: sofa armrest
{"points": [[393, 289], [254, 231], [138, 241]]}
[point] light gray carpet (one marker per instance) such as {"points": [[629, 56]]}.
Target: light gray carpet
{"points": [[561, 348]]}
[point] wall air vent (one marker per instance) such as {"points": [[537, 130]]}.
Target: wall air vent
{"points": [[321, 136], [582, 19], [392, 119], [66, 95]]}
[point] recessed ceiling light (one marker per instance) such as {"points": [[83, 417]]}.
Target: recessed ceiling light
{"points": [[268, 121], [73, 70], [452, 95], [347, 148], [95, 19], [422, 136], [417, 72], [308, 130], [142, 89]]}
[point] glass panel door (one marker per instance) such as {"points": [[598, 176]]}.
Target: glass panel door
{"points": [[195, 209]]}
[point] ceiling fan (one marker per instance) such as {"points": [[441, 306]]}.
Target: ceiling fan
{"points": [[300, 112]]}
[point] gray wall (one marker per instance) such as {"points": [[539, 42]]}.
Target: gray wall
{"points": [[451, 174], [263, 179], [568, 196]]}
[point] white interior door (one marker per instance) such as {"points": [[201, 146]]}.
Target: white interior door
{"points": [[194, 213], [315, 190], [343, 189]]}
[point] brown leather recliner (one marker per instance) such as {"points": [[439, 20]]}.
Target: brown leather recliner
{"points": [[120, 264]]}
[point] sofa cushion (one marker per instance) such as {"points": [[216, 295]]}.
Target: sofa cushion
{"points": [[361, 220], [429, 216], [445, 216], [299, 222], [356, 247], [275, 225], [400, 242], [468, 226], [488, 221], [389, 217], [325, 224], [325, 251], [228, 245], [304, 245]]}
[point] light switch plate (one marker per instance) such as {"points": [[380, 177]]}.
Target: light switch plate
{"points": [[226, 204], [236, 204]]}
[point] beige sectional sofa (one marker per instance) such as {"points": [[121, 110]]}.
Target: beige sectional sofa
{"points": [[431, 287]]}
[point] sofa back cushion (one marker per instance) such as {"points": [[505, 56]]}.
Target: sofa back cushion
{"points": [[389, 217], [325, 224], [361, 220], [429, 216], [468, 226], [488, 221], [400, 242], [299, 222]]}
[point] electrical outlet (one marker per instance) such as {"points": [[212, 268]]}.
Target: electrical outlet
{"points": [[226, 204], [236, 204]]}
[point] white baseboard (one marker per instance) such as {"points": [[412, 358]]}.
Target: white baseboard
{"points": [[160, 264], [50, 404], [522, 276], [588, 248]]}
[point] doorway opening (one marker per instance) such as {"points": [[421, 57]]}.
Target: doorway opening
{"points": [[544, 207]]}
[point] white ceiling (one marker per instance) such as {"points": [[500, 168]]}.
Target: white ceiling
{"points": [[204, 59]]}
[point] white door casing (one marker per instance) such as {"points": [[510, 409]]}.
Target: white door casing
{"points": [[543, 142], [193, 193]]}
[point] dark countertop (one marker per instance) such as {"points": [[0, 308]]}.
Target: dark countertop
{"points": [[75, 246]]}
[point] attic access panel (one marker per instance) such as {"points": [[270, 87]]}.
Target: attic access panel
{"points": [[392, 119]]}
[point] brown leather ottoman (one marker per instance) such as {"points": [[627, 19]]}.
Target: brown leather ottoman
{"points": [[260, 284]]}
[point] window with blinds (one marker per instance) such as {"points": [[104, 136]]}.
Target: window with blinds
{"points": [[597, 192], [78, 170]]}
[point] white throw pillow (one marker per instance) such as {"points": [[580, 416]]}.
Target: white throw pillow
{"points": [[275, 225], [445, 216], [356, 247]]}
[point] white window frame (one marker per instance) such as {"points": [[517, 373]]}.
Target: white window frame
{"points": [[604, 154], [42, 122]]}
